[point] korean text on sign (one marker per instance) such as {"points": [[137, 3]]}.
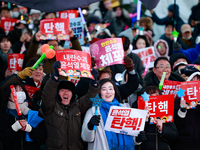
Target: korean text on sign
{"points": [[107, 52], [74, 63], [170, 87], [54, 29], [125, 120], [15, 61], [161, 106], [7, 24], [144, 53], [68, 14]]}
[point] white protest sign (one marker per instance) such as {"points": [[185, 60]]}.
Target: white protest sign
{"points": [[124, 120]]}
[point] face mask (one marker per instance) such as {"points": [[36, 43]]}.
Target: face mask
{"points": [[21, 96], [188, 37], [15, 14]]}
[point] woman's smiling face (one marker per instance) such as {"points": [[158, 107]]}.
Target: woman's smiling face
{"points": [[107, 92]]}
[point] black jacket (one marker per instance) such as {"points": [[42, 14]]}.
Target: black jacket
{"points": [[151, 79]]}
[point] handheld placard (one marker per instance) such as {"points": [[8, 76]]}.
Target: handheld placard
{"points": [[175, 35], [162, 81], [97, 103], [47, 52], [181, 95], [145, 97], [147, 66], [14, 96]]}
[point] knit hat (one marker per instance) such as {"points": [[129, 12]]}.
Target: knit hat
{"points": [[64, 84], [175, 57]]}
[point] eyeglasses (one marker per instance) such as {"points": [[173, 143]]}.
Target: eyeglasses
{"points": [[162, 67]]}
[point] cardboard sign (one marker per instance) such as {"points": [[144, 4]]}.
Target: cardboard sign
{"points": [[15, 61], [31, 90], [144, 53], [76, 25], [75, 80], [74, 63], [124, 120], [7, 24], [68, 14], [55, 28], [192, 93], [107, 52], [161, 106]]}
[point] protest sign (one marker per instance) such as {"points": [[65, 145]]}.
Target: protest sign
{"points": [[76, 25], [68, 14], [124, 120], [54, 29], [31, 90], [161, 106], [74, 63], [15, 62], [170, 87], [7, 24], [107, 52], [144, 53], [75, 80]]}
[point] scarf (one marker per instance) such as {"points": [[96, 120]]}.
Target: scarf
{"points": [[115, 141]]}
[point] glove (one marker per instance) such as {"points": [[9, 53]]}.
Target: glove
{"points": [[93, 121], [93, 62], [28, 128], [95, 73], [26, 72], [141, 137], [128, 63], [176, 46], [188, 70], [56, 65], [16, 126]]}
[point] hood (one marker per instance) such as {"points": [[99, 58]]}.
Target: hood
{"points": [[157, 54], [176, 11], [192, 75], [174, 57]]}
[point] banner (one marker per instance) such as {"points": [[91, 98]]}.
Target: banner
{"points": [[107, 52], [76, 25], [144, 53], [54, 29], [31, 90], [75, 80], [74, 63], [68, 14], [15, 62], [124, 120], [7, 24], [170, 87], [161, 106]]}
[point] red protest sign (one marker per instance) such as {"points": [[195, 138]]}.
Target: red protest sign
{"points": [[15, 61], [170, 87], [107, 52], [55, 28], [74, 63], [7, 24], [68, 14], [192, 93], [144, 53], [75, 80], [160, 106], [31, 90]]}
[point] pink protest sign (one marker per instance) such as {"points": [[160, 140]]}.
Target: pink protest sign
{"points": [[15, 61], [55, 28], [107, 52], [74, 63]]}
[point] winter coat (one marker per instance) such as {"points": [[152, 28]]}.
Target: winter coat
{"points": [[188, 128], [96, 138], [151, 79], [157, 54], [64, 122], [195, 15], [12, 140], [159, 141], [48, 65]]}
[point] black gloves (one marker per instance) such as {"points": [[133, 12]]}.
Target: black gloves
{"points": [[56, 65], [93, 121], [141, 137], [188, 70], [176, 46], [95, 73]]}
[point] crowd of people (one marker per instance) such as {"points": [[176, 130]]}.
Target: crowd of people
{"points": [[59, 115]]}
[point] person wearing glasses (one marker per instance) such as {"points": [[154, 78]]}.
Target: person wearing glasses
{"points": [[161, 64]]}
